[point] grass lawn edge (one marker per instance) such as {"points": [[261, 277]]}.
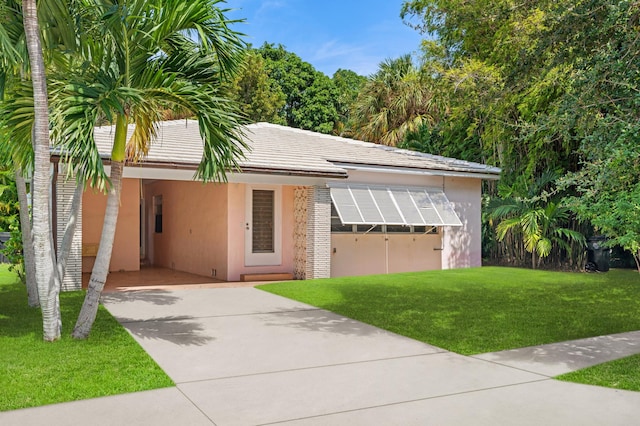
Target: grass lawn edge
{"points": [[35, 373], [450, 309]]}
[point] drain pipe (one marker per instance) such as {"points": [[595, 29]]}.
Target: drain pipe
{"points": [[386, 253]]}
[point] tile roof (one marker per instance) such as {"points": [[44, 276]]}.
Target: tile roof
{"points": [[275, 148]]}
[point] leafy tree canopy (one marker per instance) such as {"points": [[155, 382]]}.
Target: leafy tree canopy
{"points": [[9, 207], [311, 99], [259, 96], [536, 86]]}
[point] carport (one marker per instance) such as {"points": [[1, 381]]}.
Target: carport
{"points": [[153, 278]]}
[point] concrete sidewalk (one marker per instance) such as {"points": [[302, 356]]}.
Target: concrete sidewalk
{"points": [[560, 358], [241, 356]]}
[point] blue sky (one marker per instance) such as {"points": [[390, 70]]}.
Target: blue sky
{"points": [[330, 34]]}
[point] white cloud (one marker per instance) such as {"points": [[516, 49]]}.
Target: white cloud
{"points": [[333, 49]]}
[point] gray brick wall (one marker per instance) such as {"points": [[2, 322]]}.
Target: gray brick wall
{"points": [[73, 275], [318, 233]]}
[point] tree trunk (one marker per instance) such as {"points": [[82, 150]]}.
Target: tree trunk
{"points": [[27, 241], [533, 260], [69, 232], [48, 289], [103, 258], [636, 257]]}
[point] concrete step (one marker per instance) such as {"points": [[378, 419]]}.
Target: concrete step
{"points": [[275, 276]]}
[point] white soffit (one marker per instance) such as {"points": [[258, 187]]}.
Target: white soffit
{"points": [[392, 205]]}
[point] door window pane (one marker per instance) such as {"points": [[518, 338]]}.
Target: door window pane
{"points": [[263, 220]]}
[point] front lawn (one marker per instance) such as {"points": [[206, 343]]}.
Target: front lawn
{"points": [[34, 373], [619, 374], [471, 311]]}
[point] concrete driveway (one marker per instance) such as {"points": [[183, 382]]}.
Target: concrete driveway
{"points": [[240, 356]]}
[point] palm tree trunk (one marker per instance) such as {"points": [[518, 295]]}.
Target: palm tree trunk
{"points": [[533, 259], [27, 241], [69, 232], [103, 258], [48, 290]]}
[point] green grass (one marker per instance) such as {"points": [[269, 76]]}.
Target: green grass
{"points": [[620, 374], [33, 372], [471, 311]]}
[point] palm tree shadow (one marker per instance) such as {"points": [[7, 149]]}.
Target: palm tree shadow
{"points": [[179, 330], [155, 297], [319, 320]]}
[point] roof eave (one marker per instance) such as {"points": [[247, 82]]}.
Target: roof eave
{"points": [[330, 174], [492, 173]]}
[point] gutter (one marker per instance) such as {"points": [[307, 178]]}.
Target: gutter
{"points": [[55, 158]]}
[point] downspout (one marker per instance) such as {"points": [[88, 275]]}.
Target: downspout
{"points": [[386, 252], [442, 249]]}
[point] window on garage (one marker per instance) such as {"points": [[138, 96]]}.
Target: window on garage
{"points": [[390, 209]]}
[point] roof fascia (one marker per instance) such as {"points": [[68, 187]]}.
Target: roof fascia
{"points": [[189, 175], [417, 172]]}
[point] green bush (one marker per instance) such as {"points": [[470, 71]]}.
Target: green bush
{"points": [[13, 250]]}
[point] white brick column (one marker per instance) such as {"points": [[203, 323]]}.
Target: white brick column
{"points": [[64, 195], [318, 233]]}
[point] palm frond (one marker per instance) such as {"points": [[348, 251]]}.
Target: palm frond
{"points": [[543, 247], [16, 124], [73, 116]]}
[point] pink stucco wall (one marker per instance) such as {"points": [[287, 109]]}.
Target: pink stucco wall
{"points": [[126, 247], [194, 229], [358, 254], [204, 229], [236, 233], [365, 254], [462, 246]]}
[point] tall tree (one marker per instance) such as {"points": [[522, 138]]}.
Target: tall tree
{"points": [[500, 66], [139, 60], [348, 83], [602, 113], [29, 257], [259, 96], [396, 100], [563, 88], [18, 130], [48, 284], [318, 109], [311, 98]]}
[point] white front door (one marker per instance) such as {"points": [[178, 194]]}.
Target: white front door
{"points": [[263, 226]]}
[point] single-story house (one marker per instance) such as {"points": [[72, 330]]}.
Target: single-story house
{"points": [[305, 204]]}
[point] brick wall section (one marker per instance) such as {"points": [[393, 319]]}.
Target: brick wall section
{"points": [[73, 275], [318, 233]]}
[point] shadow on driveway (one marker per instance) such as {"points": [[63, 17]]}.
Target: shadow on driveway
{"points": [[321, 321], [180, 330], [155, 297]]}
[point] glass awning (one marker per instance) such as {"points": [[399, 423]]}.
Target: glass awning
{"points": [[392, 205]]}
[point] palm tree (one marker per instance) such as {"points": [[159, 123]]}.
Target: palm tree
{"points": [[48, 289], [526, 210], [24, 130], [140, 58], [396, 100], [27, 241]]}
